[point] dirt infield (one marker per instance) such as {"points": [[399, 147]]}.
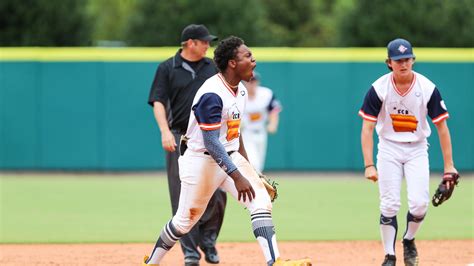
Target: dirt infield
{"points": [[452, 252]]}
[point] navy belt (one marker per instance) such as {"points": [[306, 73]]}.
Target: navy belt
{"points": [[228, 153]]}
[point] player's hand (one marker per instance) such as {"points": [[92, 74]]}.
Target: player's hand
{"points": [[244, 189], [450, 169], [167, 141], [371, 173]]}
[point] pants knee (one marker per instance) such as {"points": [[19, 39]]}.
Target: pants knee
{"points": [[419, 209], [261, 202], [389, 210], [184, 224], [182, 228]]}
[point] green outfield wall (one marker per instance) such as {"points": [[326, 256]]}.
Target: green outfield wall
{"points": [[86, 108]]}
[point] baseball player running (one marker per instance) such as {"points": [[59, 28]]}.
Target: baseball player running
{"points": [[260, 118], [396, 106], [215, 156]]}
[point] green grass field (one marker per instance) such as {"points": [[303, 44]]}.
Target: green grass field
{"points": [[127, 208]]}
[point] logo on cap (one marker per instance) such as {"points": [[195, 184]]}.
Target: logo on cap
{"points": [[399, 49], [402, 48]]}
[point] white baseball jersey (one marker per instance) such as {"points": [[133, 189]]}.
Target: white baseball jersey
{"points": [[402, 117], [216, 106], [256, 113]]}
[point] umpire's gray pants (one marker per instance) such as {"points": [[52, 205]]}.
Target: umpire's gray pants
{"points": [[204, 233]]}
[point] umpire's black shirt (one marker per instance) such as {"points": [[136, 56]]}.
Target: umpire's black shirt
{"points": [[175, 85]]}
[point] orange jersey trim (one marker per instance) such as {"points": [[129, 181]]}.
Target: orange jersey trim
{"points": [[440, 118], [210, 126], [367, 117]]}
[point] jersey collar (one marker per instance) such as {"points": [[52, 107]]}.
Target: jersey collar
{"points": [[227, 85], [409, 89]]}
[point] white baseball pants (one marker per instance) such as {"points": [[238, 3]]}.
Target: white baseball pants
{"points": [[201, 176], [396, 160]]}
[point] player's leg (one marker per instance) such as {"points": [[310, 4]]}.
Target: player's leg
{"points": [[188, 242], [168, 237], [210, 225], [260, 208], [390, 173], [252, 149], [417, 176], [200, 177]]}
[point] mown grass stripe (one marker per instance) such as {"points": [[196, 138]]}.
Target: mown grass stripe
{"points": [[133, 208]]}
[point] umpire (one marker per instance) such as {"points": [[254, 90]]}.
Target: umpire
{"points": [[174, 86]]}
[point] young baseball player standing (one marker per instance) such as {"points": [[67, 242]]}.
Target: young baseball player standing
{"points": [[215, 157], [261, 117], [396, 106]]}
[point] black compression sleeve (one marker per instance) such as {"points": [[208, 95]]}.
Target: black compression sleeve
{"points": [[217, 151]]}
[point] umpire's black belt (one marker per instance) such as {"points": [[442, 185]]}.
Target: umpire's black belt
{"points": [[228, 153]]}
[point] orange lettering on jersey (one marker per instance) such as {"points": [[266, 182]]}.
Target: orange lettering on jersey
{"points": [[233, 129], [404, 123], [255, 116]]}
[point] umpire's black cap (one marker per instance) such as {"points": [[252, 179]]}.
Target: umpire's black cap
{"points": [[197, 32], [399, 49]]}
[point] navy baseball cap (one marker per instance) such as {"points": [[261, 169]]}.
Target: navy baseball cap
{"points": [[197, 32], [399, 49]]}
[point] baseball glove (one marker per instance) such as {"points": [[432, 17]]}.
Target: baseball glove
{"points": [[445, 188], [270, 186]]}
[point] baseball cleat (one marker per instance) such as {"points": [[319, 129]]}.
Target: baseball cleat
{"points": [[191, 261], [144, 262], [300, 262], [211, 255], [410, 254], [390, 260]]}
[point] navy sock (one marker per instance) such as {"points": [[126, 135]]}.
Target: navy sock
{"points": [[168, 237], [264, 231], [388, 230], [413, 225]]}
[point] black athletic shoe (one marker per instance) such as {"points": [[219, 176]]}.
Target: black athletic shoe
{"points": [[211, 255], [390, 260], [191, 261], [410, 254]]}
